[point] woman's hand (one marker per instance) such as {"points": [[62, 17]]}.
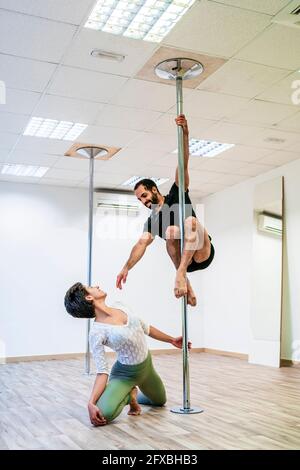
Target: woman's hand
{"points": [[177, 342], [96, 417]]}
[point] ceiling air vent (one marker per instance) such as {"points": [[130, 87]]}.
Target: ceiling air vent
{"points": [[289, 16]]}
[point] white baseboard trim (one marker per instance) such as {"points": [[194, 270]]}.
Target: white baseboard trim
{"points": [[69, 356]]}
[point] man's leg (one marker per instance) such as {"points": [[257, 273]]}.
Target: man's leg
{"points": [[196, 247], [173, 249]]}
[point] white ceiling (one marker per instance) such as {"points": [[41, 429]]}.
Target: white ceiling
{"points": [[46, 64]]}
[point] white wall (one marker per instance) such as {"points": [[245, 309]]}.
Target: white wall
{"points": [[43, 247], [227, 286]]}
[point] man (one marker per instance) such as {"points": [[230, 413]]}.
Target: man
{"points": [[198, 252]]}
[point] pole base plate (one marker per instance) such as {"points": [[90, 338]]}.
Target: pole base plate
{"points": [[186, 411]]}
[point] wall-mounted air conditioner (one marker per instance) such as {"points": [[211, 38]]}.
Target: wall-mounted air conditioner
{"points": [[269, 224], [116, 202]]}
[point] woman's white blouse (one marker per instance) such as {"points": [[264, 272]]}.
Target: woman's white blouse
{"points": [[127, 340]]}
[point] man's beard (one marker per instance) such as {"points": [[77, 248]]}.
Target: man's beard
{"points": [[154, 199]]}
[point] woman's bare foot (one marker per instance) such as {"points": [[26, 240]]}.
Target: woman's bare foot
{"points": [[135, 408], [191, 298]]}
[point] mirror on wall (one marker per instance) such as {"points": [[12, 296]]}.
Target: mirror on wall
{"points": [[266, 298]]}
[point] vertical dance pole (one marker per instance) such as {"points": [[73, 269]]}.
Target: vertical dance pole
{"points": [[181, 69], [91, 153]]}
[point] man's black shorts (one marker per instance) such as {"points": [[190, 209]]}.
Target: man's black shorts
{"points": [[204, 264]]}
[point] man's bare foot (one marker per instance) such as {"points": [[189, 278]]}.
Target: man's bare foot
{"points": [[191, 298], [180, 288], [135, 408]]}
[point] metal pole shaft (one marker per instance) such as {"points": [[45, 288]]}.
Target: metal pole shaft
{"points": [[90, 248], [186, 378]]}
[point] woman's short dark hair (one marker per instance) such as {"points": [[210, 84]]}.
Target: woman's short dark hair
{"points": [[76, 303], [147, 183]]}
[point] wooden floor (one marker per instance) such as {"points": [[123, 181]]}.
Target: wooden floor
{"points": [[43, 406]]}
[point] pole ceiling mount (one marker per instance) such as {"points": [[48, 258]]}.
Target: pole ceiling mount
{"points": [[179, 67]]}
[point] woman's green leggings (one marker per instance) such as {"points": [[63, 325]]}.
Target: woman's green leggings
{"points": [[121, 381]]}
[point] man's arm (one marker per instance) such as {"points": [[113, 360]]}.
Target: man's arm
{"points": [[136, 254], [181, 121], [96, 417]]}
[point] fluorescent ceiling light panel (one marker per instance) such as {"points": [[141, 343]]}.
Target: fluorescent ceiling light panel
{"points": [[150, 20], [206, 148], [24, 170], [134, 179], [53, 129]]}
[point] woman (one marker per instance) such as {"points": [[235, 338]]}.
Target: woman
{"points": [[125, 334]]}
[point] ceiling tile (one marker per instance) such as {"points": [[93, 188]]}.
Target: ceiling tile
{"points": [[245, 153], [155, 142], [157, 171], [227, 133], [133, 159], [78, 164], [111, 178], [136, 52], [7, 140], [275, 47], [262, 113], [228, 180], [68, 11], [68, 109], [43, 145], [100, 185], [282, 92], [279, 157], [274, 139], [73, 175], [32, 158], [21, 35], [295, 147], [208, 105], [241, 78], [212, 187], [10, 122], [254, 169], [146, 95], [25, 74], [58, 182], [108, 136], [84, 84], [3, 155], [270, 7], [290, 124], [127, 118], [203, 176], [19, 101], [18, 179], [166, 125], [223, 166], [214, 28]]}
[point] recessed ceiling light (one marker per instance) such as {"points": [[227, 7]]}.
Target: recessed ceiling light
{"points": [[134, 179], [206, 148], [150, 20], [53, 129], [24, 170]]}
